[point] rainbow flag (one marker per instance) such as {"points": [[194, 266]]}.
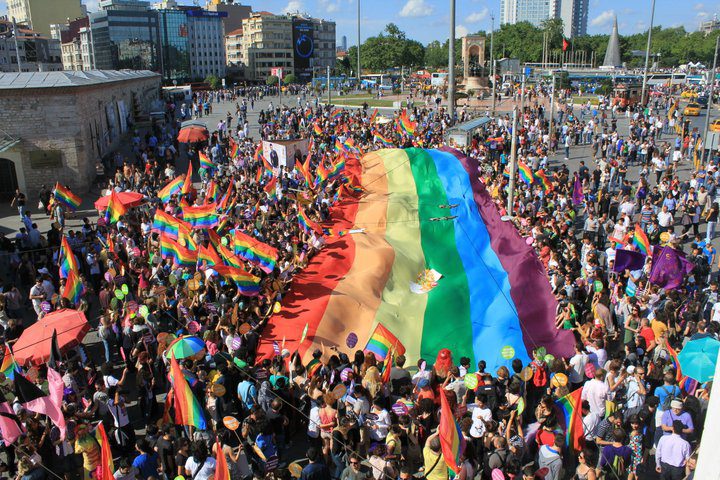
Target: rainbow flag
{"points": [[228, 257], [452, 441], [166, 223], [204, 216], [74, 288], [180, 255], [321, 172], [248, 284], [336, 114], [373, 116], [338, 147], [317, 129], [313, 367], [185, 235], [9, 366], [387, 367], [413, 235], [234, 149], [205, 162], [304, 169], [675, 361], [271, 188], [115, 209], [253, 250], [640, 240], [187, 408], [382, 341], [306, 223], [171, 188], [66, 197], [336, 170], [384, 141], [208, 255], [406, 124], [543, 180], [525, 172], [68, 262], [569, 407], [226, 198], [211, 192], [187, 182], [106, 459]]}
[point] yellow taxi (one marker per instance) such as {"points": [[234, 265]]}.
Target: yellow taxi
{"points": [[692, 109], [688, 94], [715, 125]]}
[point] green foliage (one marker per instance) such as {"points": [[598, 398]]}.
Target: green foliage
{"points": [[390, 49], [436, 54], [271, 80], [213, 81], [524, 41], [290, 79]]}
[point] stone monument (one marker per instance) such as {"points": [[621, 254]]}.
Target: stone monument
{"points": [[612, 54], [473, 57]]}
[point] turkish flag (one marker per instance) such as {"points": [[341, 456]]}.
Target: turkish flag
{"points": [[566, 44]]}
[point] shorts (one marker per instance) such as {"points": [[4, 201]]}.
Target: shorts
{"points": [[325, 435]]}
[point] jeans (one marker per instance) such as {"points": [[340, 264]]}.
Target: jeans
{"points": [[710, 231], [108, 355], [21, 211]]}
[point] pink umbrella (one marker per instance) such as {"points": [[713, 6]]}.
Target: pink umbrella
{"points": [[33, 346]]}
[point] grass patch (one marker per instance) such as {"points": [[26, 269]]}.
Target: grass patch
{"points": [[340, 101], [583, 100]]}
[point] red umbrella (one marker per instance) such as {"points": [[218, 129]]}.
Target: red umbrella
{"points": [[129, 199], [193, 134], [33, 346]]}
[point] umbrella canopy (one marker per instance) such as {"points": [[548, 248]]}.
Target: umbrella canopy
{"points": [[185, 346], [192, 134], [698, 359], [129, 199], [33, 346]]}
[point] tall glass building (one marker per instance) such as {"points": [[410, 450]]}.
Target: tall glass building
{"points": [[174, 38], [126, 36]]}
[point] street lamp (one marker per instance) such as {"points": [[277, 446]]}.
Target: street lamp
{"points": [[451, 63], [647, 53], [358, 45]]}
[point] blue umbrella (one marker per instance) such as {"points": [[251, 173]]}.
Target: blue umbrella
{"points": [[698, 359]]}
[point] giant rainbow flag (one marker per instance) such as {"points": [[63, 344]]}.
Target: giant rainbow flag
{"points": [[493, 293]]}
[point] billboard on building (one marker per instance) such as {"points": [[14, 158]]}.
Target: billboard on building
{"points": [[303, 49]]}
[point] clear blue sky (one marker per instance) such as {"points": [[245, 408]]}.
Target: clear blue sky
{"points": [[427, 20]]}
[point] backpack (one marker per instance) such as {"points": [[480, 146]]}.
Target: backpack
{"points": [[668, 399]]}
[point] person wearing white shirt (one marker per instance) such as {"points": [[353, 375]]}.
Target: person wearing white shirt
{"points": [[576, 373], [381, 425], [596, 392], [480, 414]]}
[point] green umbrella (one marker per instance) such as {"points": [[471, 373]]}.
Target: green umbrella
{"points": [[698, 358]]}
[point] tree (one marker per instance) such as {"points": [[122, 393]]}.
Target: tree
{"points": [[389, 49], [213, 81], [271, 80], [290, 79]]}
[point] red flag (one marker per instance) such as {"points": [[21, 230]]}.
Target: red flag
{"points": [[566, 44]]}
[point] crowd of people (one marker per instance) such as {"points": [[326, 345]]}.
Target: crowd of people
{"points": [[639, 416]]}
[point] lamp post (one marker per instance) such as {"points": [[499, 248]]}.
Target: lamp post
{"points": [[710, 98], [513, 163], [647, 53], [451, 64], [358, 44], [492, 61]]}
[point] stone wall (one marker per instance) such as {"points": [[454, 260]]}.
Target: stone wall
{"points": [[64, 132]]}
